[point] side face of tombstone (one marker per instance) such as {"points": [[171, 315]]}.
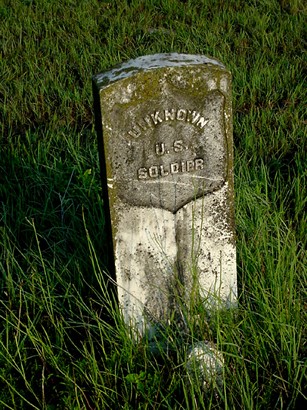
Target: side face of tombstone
{"points": [[165, 127]]}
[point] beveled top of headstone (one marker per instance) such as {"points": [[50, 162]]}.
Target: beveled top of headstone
{"points": [[166, 129], [152, 61]]}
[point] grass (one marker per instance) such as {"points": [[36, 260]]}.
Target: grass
{"points": [[63, 343]]}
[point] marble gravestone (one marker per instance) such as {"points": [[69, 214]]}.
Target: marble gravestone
{"points": [[164, 124]]}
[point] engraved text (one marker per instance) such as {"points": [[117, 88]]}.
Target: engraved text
{"points": [[152, 120], [156, 171]]}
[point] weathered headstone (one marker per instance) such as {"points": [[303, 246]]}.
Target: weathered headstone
{"points": [[164, 124]]}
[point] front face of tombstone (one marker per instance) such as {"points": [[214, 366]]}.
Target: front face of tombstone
{"points": [[170, 132], [167, 137]]}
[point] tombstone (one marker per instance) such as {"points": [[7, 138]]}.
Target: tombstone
{"points": [[164, 124]]}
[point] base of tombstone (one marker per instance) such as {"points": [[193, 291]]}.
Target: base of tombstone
{"points": [[152, 285]]}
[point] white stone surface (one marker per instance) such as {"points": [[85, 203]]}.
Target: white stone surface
{"points": [[145, 257], [150, 242], [207, 249]]}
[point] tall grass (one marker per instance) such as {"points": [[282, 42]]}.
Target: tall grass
{"points": [[63, 343]]}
